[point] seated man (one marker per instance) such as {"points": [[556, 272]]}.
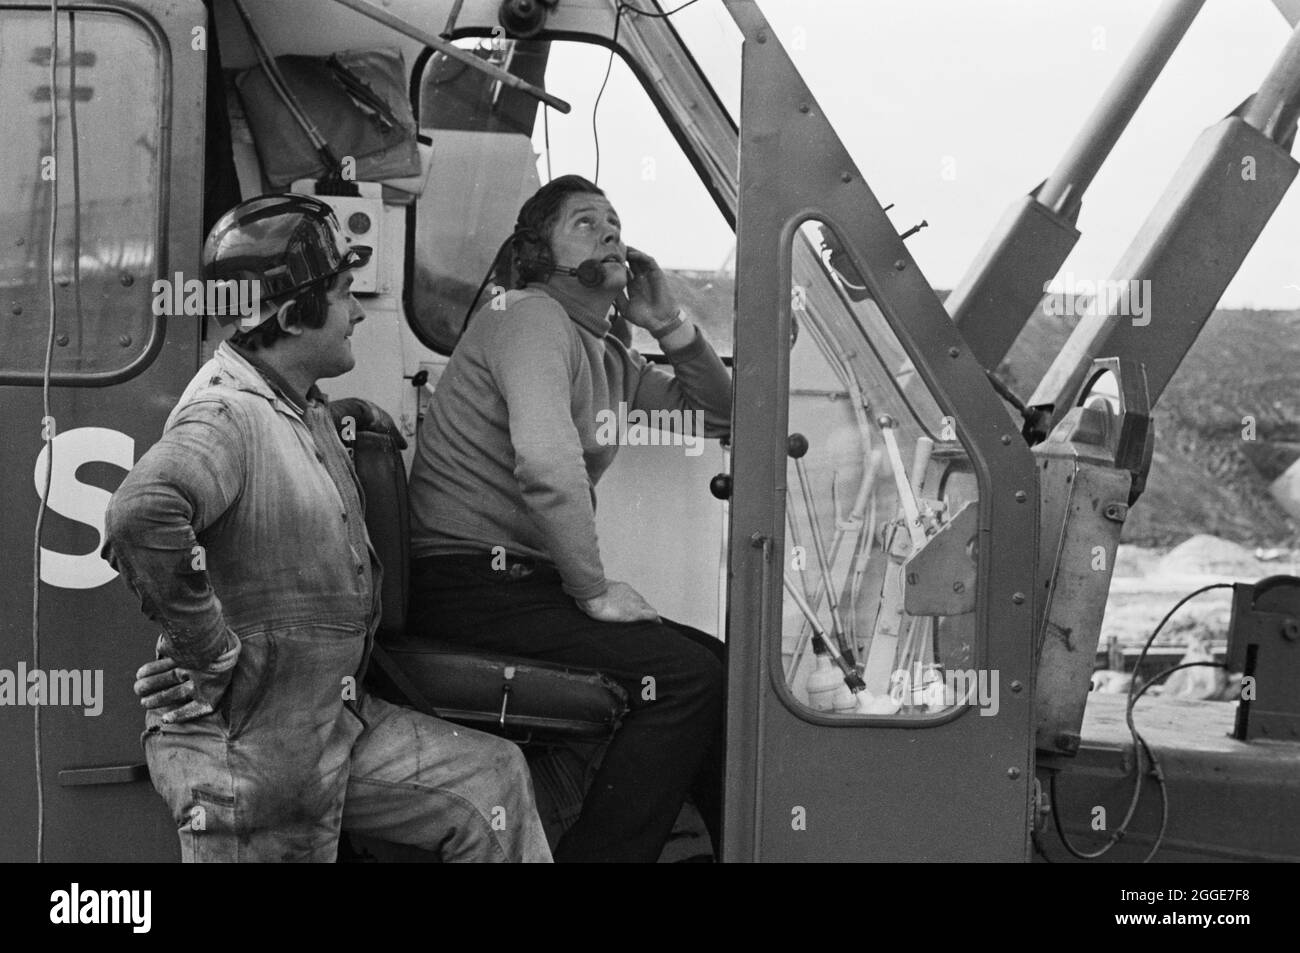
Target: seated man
{"points": [[242, 532], [503, 507]]}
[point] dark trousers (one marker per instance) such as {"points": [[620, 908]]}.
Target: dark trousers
{"points": [[670, 742]]}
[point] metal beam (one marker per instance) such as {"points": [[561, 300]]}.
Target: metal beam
{"points": [[996, 297], [1183, 258]]}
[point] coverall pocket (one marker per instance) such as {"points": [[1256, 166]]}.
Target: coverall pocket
{"points": [[253, 673], [208, 833]]}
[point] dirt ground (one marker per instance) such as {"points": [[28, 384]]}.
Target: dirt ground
{"points": [[1147, 582]]}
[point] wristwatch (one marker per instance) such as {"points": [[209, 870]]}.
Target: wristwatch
{"points": [[676, 322]]}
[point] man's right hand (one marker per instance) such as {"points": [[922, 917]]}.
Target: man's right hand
{"points": [[186, 693], [619, 603]]}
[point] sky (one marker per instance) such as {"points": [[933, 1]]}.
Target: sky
{"points": [[954, 109]]}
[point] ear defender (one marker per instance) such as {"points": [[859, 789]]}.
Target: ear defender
{"points": [[532, 256]]}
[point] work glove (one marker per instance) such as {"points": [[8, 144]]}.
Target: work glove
{"points": [[186, 694], [365, 416]]}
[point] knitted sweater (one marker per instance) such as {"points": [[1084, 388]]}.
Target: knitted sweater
{"points": [[519, 431]]}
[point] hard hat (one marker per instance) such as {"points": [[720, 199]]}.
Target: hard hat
{"points": [[285, 242]]}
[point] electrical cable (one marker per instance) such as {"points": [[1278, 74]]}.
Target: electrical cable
{"points": [[595, 107], [546, 135], [618, 19], [47, 425], [1139, 746]]}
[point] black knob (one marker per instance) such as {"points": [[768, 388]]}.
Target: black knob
{"points": [[796, 445], [720, 486], [420, 378]]}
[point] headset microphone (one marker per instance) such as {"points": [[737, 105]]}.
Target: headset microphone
{"points": [[590, 273]]}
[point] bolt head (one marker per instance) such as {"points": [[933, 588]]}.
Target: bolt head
{"points": [[1006, 440], [1013, 773], [1018, 598], [1021, 496]]}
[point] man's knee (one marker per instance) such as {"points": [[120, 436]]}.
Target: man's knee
{"points": [[685, 669]]}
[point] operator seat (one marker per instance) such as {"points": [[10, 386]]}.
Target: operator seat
{"points": [[520, 698]]}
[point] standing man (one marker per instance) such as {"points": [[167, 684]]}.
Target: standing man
{"points": [[243, 535]]}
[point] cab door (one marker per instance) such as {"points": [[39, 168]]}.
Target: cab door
{"points": [[883, 526]]}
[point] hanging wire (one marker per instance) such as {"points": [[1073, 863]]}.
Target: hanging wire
{"points": [[1140, 747], [618, 19], [47, 425]]}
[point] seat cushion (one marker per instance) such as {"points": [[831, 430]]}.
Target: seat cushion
{"points": [[471, 687], [382, 474]]}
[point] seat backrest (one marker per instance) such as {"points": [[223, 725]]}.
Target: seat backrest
{"points": [[382, 473]]}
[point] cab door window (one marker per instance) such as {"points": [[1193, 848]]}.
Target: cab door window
{"points": [[106, 176]]}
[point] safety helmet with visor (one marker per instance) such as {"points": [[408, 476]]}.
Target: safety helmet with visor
{"points": [[287, 243]]}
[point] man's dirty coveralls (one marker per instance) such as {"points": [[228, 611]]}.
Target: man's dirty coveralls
{"points": [[246, 516]]}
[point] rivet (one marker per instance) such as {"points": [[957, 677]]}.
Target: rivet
{"points": [[127, 280], [124, 340], [1006, 440], [900, 265], [1021, 496], [63, 281], [804, 107], [1017, 685], [846, 176], [17, 309], [762, 36], [959, 586], [954, 352], [1013, 773], [1018, 598], [61, 340], [912, 579]]}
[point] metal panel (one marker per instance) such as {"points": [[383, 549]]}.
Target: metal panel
{"points": [[1005, 283], [867, 792], [98, 628]]}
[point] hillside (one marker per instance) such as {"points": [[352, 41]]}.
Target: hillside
{"points": [[1202, 478]]}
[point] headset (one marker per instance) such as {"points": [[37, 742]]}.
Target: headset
{"points": [[530, 251]]}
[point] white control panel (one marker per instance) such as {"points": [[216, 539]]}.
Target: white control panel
{"points": [[360, 217]]}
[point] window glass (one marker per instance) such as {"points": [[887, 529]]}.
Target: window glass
{"points": [[881, 512], [104, 324], [494, 147]]}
